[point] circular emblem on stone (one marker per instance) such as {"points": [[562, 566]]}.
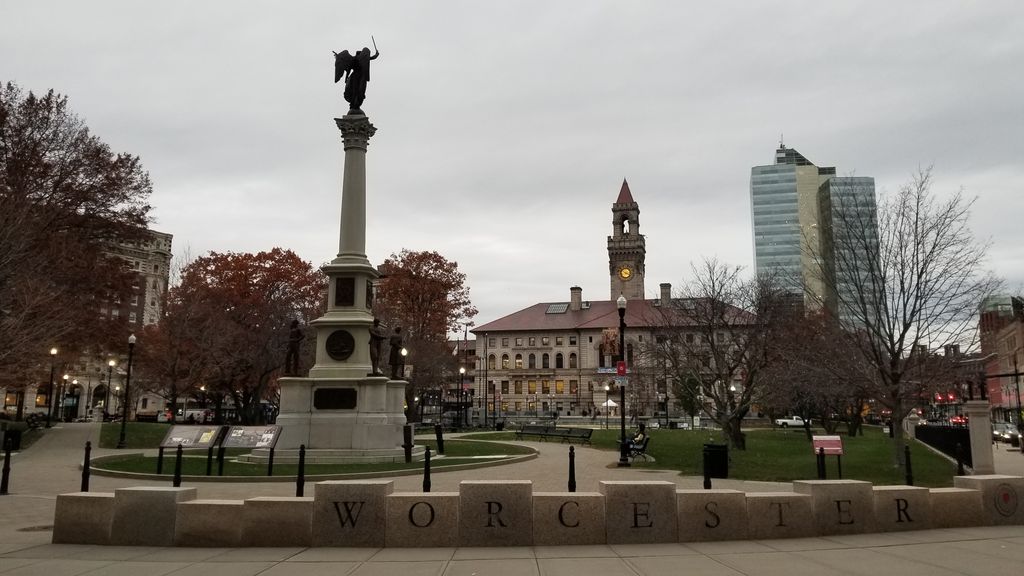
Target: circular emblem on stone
{"points": [[1005, 500], [340, 345]]}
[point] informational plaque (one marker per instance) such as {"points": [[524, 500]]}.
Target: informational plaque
{"points": [[344, 291], [252, 436], [833, 445], [334, 398], [191, 436]]}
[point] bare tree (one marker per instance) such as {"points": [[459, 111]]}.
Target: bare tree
{"points": [[715, 339], [913, 286]]}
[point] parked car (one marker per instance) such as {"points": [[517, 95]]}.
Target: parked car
{"points": [[1004, 432], [795, 421]]}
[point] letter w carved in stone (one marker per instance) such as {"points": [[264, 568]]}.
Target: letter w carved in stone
{"points": [[348, 512]]}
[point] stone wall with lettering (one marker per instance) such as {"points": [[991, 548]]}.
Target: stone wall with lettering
{"points": [[368, 513]]}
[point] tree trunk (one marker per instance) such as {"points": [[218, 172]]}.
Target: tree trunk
{"points": [[734, 434], [174, 407]]}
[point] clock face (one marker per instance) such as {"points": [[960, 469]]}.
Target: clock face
{"points": [[625, 273]]}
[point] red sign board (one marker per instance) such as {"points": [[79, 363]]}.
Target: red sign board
{"points": [[620, 368], [833, 445]]}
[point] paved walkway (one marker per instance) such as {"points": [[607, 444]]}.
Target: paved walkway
{"points": [[50, 467]]}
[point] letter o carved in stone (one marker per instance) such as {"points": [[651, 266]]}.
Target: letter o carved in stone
{"points": [[430, 515]]}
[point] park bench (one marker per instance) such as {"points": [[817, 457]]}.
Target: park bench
{"points": [[580, 434], [533, 430], [639, 451]]}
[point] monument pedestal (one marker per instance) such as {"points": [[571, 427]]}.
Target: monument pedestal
{"points": [[343, 412]]}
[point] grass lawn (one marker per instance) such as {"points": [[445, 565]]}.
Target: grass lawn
{"points": [[137, 434], [781, 456], [194, 461]]}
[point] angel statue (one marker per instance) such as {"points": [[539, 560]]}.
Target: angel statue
{"points": [[356, 70]]}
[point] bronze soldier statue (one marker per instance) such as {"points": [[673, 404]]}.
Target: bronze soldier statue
{"points": [[396, 359], [291, 358], [377, 337]]}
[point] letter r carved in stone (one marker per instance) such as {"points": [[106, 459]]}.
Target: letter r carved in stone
{"points": [[494, 513]]}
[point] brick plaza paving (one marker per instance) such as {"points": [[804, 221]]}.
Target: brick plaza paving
{"points": [[50, 467]]}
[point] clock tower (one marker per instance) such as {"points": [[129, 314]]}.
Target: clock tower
{"points": [[626, 248]]}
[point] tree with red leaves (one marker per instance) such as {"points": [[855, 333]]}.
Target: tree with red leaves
{"points": [[227, 324], [65, 198], [425, 294]]}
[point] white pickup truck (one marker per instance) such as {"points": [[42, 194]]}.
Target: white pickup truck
{"points": [[794, 421]]}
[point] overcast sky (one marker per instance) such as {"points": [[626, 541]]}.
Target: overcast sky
{"points": [[505, 129]]}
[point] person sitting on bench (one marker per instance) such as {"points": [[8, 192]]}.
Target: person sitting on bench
{"points": [[638, 438]]}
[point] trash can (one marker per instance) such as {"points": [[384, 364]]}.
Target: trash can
{"points": [[12, 433], [673, 425], [1015, 441], [716, 460]]}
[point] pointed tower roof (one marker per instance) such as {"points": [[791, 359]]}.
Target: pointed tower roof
{"points": [[624, 195]]}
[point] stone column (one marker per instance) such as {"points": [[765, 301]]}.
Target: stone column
{"points": [[356, 131], [980, 424]]}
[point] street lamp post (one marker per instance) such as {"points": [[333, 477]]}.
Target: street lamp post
{"points": [[74, 384], [60, 397], [127, 393], [623, 448], [49, 397], [106, 399], [607, 406], [1016, 381]]}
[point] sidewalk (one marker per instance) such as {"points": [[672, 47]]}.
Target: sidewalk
{"points": [[51, 467]]}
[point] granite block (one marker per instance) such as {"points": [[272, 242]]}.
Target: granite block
{"points": [[957, 507], [568, 518], [640, 512], [350, 512], [271, 521], [779, 515], [496, 513], [840, 506], [145, 515], [709, 515], [902, 508], [209, 523], [83, 518], [416, 519], [1000, 496]]}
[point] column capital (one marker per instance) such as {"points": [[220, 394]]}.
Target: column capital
{"points": [[356, 130]]}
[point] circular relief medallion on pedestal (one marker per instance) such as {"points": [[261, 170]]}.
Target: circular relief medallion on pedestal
{"points": [[1005, 500], [340, 345]]}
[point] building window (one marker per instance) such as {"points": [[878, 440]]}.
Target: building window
{"points": [[559, 387], [131, 317], [115, 313], [519, 361], [519, 341], [572, 340], [545, 387], [491, 342], [518, 386], [572, 360], [491, 362], [545, 361], [574, 387], [504, 342], [504, 386], [532, 361], [135, 300], [533, 341], [559, 360], [559, 340], [545, 341], [531, 387], [504, 361], [145, 403]]}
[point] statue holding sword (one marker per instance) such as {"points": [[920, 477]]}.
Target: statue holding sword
{"points": [[356, 70]]}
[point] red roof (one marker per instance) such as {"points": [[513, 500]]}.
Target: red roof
{"points": [[601, 314], [625, 197]]}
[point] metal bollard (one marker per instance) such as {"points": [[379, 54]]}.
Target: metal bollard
{"points": [[300, 477], [821, 464], [910, 470], [439, 433], [572, 469], [426, 470], [270, 463], [160, 460], [209, 461], [959, 459], [177, 467], [707, 473], [220, 460], [5, 476], [86, 465], [407, 436]]}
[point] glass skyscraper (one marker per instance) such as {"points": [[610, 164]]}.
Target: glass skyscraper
{"points": [[796, 208]]}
